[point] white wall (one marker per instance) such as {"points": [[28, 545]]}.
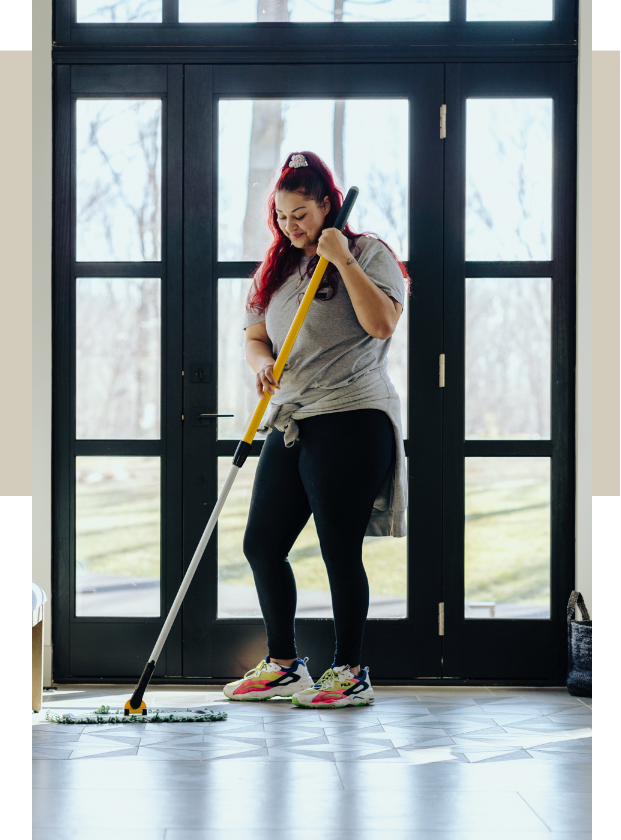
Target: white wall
{"points": [[42, 312]]}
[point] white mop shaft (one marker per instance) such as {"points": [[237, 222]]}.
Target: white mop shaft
{"points": [[196, 559]]}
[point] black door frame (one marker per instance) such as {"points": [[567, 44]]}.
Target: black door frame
{"points": [[400, 649], [119, 53], [509, 648], [86, 647]]}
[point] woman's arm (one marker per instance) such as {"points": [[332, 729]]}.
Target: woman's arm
{"points": [[377, 313], [259, 355]]}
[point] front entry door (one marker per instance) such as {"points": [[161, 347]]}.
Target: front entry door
{"points": [[378, 127], [160, 176]]}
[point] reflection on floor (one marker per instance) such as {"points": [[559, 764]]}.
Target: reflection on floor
{"points": [[417, 764]]}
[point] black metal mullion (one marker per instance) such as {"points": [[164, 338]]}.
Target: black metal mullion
{"points": [[350, 37], [63, 475], [170, 11], [118, 448], [510, 269], [458, 11], [172, 365], [119, 269], [508, 448], [563, 351], [235, 269], [200, 337]]}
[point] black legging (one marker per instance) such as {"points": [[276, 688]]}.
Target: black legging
{"points": [[334, 471]]}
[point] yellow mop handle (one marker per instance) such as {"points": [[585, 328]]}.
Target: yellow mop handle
{"points": [[281, 361], [243, 447], [136, 704]]}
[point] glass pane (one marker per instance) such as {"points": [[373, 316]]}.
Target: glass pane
{"points": [[507, 539], [117, 542], [364, 141], [311, 11], [119, 11], [119, 179], [509, 179], [118, 358], [236, 391], [510, 10], [508, 346], [385, 561]]}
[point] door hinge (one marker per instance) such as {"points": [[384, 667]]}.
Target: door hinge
{"points": [[441, 619], [182, 418], [442, 122], [442, 370]]}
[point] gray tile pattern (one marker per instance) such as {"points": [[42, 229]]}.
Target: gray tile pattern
{"points": [[423, 763], [407, 726]]}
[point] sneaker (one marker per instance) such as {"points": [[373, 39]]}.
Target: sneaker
{"points": [[337, 688], [269, 679]]}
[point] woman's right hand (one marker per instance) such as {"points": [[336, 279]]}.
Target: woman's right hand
{"points": [[266, 381]]}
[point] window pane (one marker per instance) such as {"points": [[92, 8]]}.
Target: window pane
{"points": [[507, 540], [119, 11], [311, 11], [119, 192], [385, 561], [510, 10], [368, 139], [508, 345], [118, 358], [236, 391], [117, 543], [509, 179]]}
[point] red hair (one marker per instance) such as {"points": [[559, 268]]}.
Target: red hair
{"points": [[281, 259]]}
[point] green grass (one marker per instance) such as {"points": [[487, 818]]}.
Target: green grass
{"points": [[507, 532]]}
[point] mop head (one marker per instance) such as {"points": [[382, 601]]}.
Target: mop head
{"points": [[102, 715]]}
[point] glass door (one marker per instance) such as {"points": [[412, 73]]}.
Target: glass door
{"points": [[117, 358], [378, 129], [508, 420]]}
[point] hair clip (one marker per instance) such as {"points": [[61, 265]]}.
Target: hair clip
{"points": [[297, 161]]}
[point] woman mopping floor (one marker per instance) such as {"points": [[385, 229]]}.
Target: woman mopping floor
{"points": [[334, 403]]}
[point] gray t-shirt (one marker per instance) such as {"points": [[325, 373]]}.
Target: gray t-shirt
{"points": [[332, 349], [335, 365]]}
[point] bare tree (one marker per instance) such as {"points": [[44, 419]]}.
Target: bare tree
{"points": [[266, 136]]}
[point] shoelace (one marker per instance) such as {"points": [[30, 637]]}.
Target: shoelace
{"points": [[254, 672], [326, 681]]}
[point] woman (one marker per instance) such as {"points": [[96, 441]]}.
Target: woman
{"points": [[334, 446]]}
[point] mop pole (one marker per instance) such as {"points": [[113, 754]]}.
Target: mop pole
{"points": [[136, 704]]}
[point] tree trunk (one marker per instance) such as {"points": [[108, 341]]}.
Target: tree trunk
{"points": [[265, 141], [339, 112]]}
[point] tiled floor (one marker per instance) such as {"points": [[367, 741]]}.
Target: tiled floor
{"points": [[422, 763]]}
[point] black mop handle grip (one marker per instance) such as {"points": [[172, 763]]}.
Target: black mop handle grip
{"points": [[350, 198]]}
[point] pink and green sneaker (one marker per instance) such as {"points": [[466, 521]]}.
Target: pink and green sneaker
{"points": [[269, 679], [337, 688]]}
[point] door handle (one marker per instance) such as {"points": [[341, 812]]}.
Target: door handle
{"points": [[205, 419]]}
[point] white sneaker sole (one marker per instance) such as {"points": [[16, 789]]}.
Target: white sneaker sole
{"points": [[365, 698], [263, 695]]}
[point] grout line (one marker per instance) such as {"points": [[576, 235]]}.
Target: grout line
{"points": [[533, 810]]}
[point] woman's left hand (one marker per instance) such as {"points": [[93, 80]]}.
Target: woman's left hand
{"points": [[333, 246]]}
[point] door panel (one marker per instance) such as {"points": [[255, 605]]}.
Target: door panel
{"points": [[117, 356], [509, 280], [217, 644], [490, 455]]}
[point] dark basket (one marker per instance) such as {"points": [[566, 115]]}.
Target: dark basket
{"points": [[579, 638]]}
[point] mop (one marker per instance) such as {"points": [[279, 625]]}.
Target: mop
{"points": [[136, 708]]}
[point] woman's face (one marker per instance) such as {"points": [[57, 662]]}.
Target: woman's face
{"points": [[301, 219]]}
